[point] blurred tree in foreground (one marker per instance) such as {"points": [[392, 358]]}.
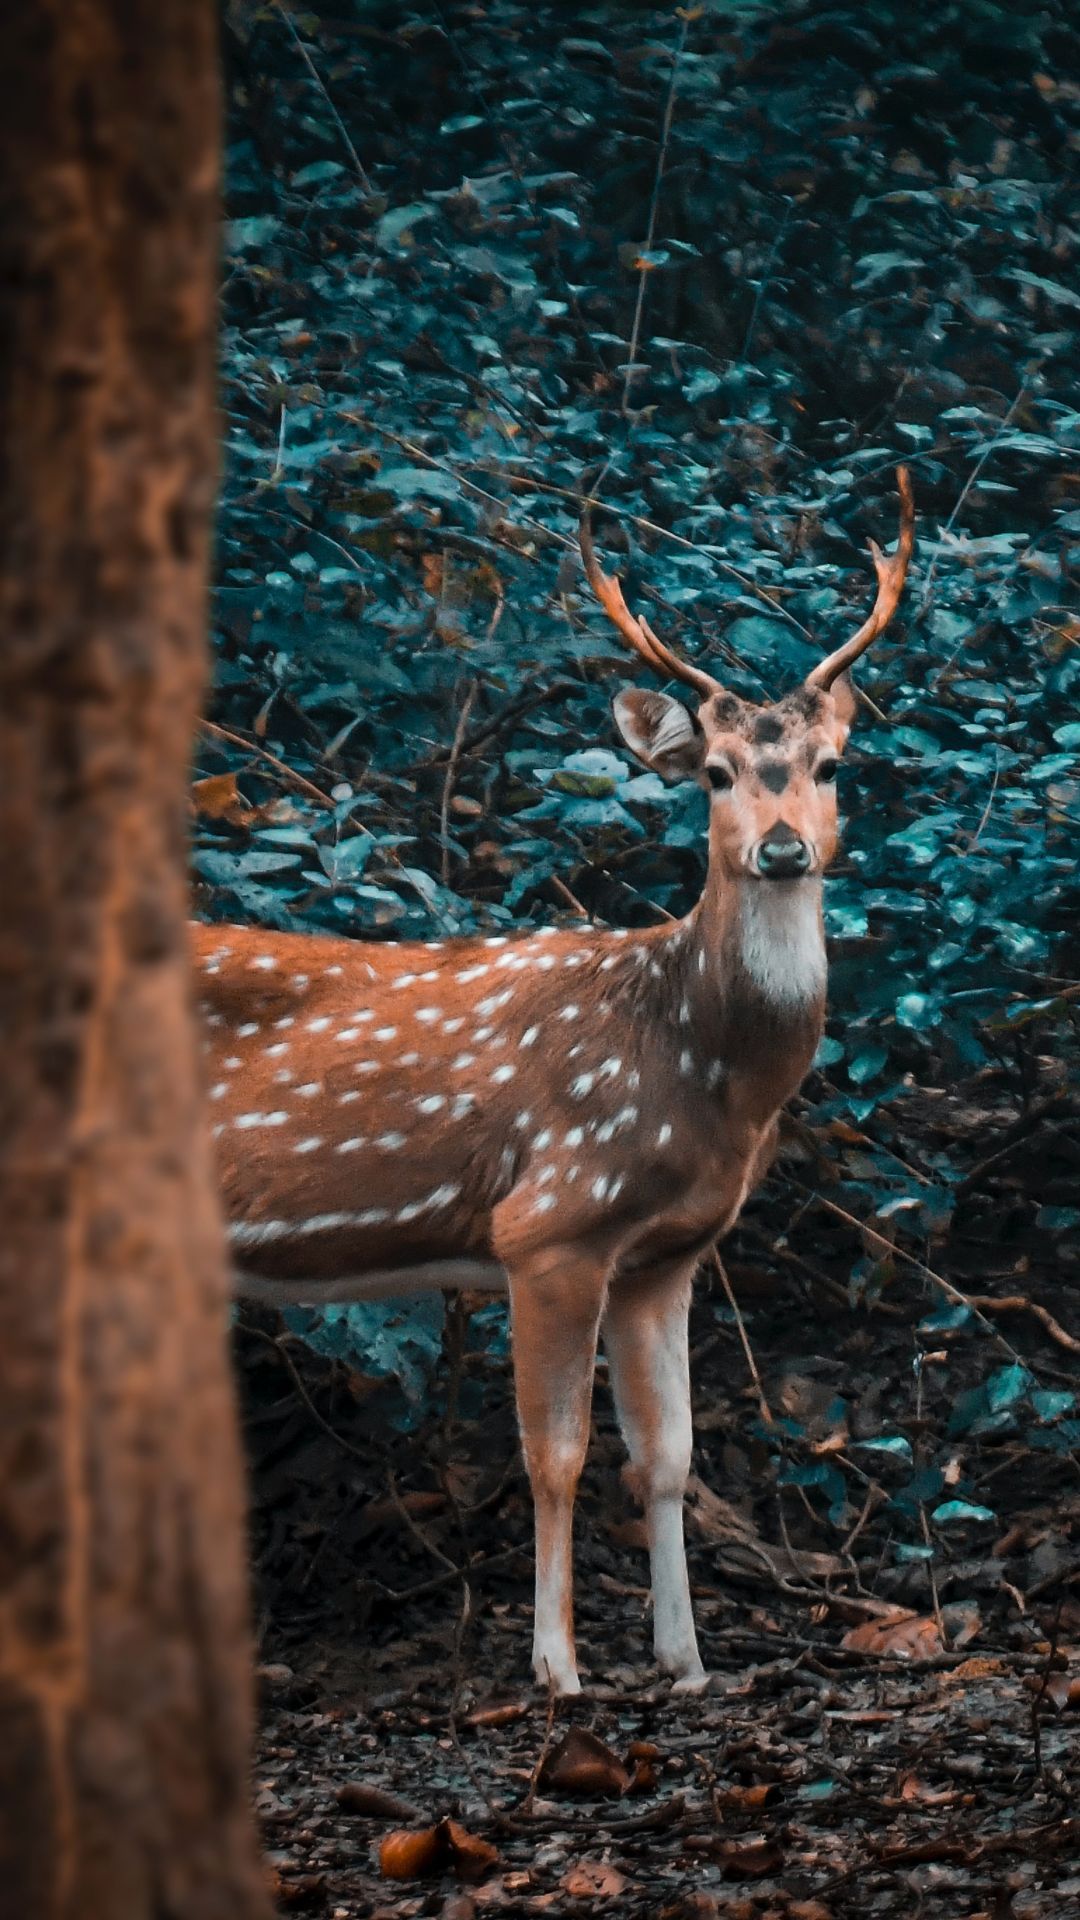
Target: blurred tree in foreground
{"points": [[124, 1679]]}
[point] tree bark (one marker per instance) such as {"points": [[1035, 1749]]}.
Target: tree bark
{"points": [[124, 1659]]}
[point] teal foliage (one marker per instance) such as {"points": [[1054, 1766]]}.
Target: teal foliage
{"points": [[858, 259], [384, 1340]]}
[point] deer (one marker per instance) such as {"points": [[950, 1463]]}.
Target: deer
{"points": [[573, 1116]]}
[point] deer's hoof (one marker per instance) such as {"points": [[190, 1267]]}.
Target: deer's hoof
{"points": [[696, 1680]]}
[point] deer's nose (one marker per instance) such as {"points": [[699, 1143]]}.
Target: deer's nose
{"points": [[782, 855]]}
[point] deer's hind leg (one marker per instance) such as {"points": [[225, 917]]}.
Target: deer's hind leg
{"points": [[646, 1340]]}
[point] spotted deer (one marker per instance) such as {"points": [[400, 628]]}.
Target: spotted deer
{"points": [[573, 1116]]}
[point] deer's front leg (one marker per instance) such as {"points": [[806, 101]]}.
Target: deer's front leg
{"points": [[556, 1298], [645, 1337]]}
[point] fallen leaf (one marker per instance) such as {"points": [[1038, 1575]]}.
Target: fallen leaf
{"points": [[645, 1758], [902, 1634], [749, 1857], [410, 1854], [980, 1667], [1059, 1690], [593, 1880], [746, 1799], [496, 1716], [219, 798], [413, 1854], [301, 1891], [913, 1787], [741, 1551], [471, 1857], [387, 1512], [374, 1803], [582, 1763]]}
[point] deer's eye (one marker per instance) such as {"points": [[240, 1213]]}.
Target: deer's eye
{"points": [[721, 779], [826, 772]]}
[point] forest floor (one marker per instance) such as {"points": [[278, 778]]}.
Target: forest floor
{"points": [[876, 1740]]}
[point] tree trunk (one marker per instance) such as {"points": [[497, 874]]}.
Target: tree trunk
{"points": [[124, 1660]]}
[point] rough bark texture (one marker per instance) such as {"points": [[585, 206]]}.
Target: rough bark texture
{"points": [[124, 1690]]}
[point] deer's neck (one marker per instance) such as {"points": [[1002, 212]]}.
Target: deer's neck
{"points": [[756, 972]]}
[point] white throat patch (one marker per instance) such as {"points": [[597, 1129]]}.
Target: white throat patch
{"points": [[783, 941]]}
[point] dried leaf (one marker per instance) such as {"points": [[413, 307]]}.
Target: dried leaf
{"points": [[496, 1716], [749, 1857], [747, 1799], [470, 1856], [413, 1854], [593, 1880], [913, 1787], [410, 1854], [582, 1763], [1059, 1690], [299, 1892], [219, 798], [374, 1803], [902, 1634], [645, 1759]]}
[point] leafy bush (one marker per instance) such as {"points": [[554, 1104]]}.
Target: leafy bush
{"points": [[489, 296]]}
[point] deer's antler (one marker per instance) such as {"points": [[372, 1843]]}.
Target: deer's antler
{"points": [[636, 631], [891, 570]]}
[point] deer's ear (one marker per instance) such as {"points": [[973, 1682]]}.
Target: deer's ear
{"points": [[842, 693], [661, 732]]}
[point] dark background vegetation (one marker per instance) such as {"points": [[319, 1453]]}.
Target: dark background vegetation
{"points": [[724, 267]]}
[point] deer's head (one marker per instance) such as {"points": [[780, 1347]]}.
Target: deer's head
{"points": [[770, 770]]}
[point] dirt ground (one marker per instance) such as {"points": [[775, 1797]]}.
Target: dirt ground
{"points": [[874, 1741]]}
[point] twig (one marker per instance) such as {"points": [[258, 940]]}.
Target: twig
{"points": [[964, 491], [513, 710], [498, 1818], [309, 63], [654, 204], [986, 812], [451, 774], [1019, 1303], [399, 1595], [545, 1748], [287, 773], [890, 1248], [763, 1404], [1017, 1131], [766, 276], [418, 1534], [1038, 1697], [279, 463], [282, 1352], [571, 899]]}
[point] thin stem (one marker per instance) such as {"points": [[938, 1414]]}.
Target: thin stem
{"points": [[451, 775], [763, 1404], [309, 63], [964, 491], [654, 204]]}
